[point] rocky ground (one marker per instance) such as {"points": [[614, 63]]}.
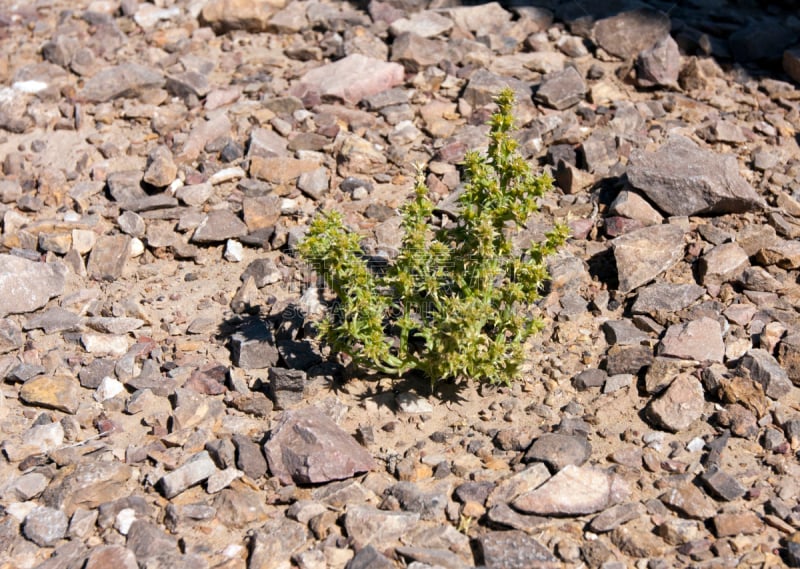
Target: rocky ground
{"points": [[165, 402]]}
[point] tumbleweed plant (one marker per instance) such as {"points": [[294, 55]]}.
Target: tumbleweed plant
{"points": [[456, 302]]}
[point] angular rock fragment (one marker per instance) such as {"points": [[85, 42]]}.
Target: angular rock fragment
{"points": [[561, 89], [58, 392], [513, 550], [27, 285], [219, 225], [665, 298], [306, 446], [367, 525], [683, 179], [350, 79], [679, 406], [764, 369], [45, 526], [643, 254], [125, 80], [559, 451], [108, 257], [699, 340], [660, 65], [628, 33], [574, 491], [722, 263]]}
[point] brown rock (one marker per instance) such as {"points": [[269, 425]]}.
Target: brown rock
{"points": [[58, 392], [738, 523], [699, 340], [574, 491], [680, 406], [248, 15]]}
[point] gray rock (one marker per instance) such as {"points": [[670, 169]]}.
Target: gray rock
{"points": [[147, 542], [623, 333], [188, 83], [125, 80], [369, 558], [665, 298], [789, 356], [45, 526], [599, 151], [681, 178], [350, 79], [765, 369], [218, 226], [198, 468], [643, 254], [689, 501], [632, 205], [366, 525], [306, 446], [315, 183], [628, 359], [722, 485], [573, 491], [589, 378], [628, 33], [699, 340], [53, 320], [559, 451], [562, 89], [286, 386], [415, 52], [615, 517], [249, 458], [430, 505], [660, 65], [108, 257], [680, 405], [513, 550], [27, 285], [253, 347]]}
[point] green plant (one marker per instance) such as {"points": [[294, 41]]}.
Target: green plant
{"points": [[456, 301]]}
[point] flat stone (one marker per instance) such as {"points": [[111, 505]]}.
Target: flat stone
{"points": [[87, 486], [681, 178], [589, 378], [643, 254], [314, 184], [628, 33], [27, 285], [125, 80], [699, 340], [615, 516], [306, 446], [765, 369], [108, 257], [58, 392], [559, 451], [573, 491], [195, 470], [251, 16], [628, 359], [513, 550], [737, 523], [240, 507], [721, 484], [665, 298], [45, 526], [632, 205], [350, 79], [281, 170], [218, 226], [249, 458], [415, 52], [518, 484], [689, 501], [427, 24], [366, 525], [188, 83], [680, 405], [428, 503], [562, 89], [149, 543], [115, 556], [722, 263], [623, 333], [660, 65]]}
